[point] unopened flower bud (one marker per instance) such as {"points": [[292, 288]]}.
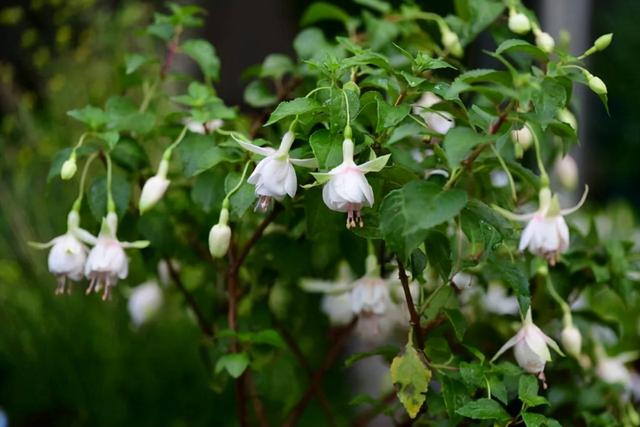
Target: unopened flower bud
{"points": [[519, 23], [523, 137], [220, 235], [597, 85], [603, 41], [571, 340], [69, 168], [567, 117], [451, 42], [567, 171], [545, 42], [154, 188]]}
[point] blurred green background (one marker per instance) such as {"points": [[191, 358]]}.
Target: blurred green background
{"points": [[78, 361]]}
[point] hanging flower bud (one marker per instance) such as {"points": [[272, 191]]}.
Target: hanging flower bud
{"points": [[571, 340], [154, 188], [346, 188], [566, 169], [544, 41], [220, 234], [523, 137], [69, 167], [612, 369], [546, 234], [68, 253], [603, 41], [519, 23], [438, 121], [451, 42], [531, 349], [107, 261], [597, 85], [144, 302], [202, 128], [274, 177], [566, 116]]}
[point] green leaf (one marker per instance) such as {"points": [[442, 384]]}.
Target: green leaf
{"points": [[124, 116], [327, 148], [205, 55], [56, 164], [241, 199], [234, 363], [311, 43], [130, 155], [519, 45], [208, 189], [276, 66], [294, 107], [513, 274], [459, 141], [378, 5], [472, 374], [484, 228], [97, 197], [551, 97], [135, 61], [92, 116], [410, 376], [258, 95], [438, 253], [111, 137], [484, 409], [454, 394], [389, 115], [458, 322], [537, 420], [408, 213], [199, 153], [266, 336], [321, 11], [528, 391]]}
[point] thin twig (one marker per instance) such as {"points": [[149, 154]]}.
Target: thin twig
{"points": [[258, 407], [414, 316], [329, 358], [302, 360], [480, 148], [255, 237], [205, 326]]}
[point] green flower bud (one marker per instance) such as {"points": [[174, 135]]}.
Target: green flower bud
{"points": [[597, 85], [603, 41], [519, 23], [451, 42], [69, 168], [545, 42], [220, 235]]}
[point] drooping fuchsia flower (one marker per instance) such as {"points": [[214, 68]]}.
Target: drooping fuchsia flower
{"points": [[531, 347], [346, 188], [68, 253], [438, 121], [274, 177], [107, 261], [144, 302], [546, 233]]}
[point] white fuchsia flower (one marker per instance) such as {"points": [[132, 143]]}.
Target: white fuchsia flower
{"points": [[496, 300], [523, 137], [274, 177], [144, 302], [107, 261], [547, 233], [68, 253], [346, 188], [613, 370], [531, 349], [336, 302], [438, 121]]}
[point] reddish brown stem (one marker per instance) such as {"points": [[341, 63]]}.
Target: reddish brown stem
{"points": [[317, 378], [413, 314], [204, 325]]}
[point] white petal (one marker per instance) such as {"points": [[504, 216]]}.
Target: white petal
{"points": [[263, 151], [305, 163], [374, 165], [512, 341]]}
